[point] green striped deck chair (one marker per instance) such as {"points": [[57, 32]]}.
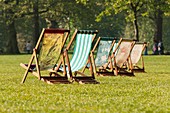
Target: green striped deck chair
{"points": [[137, 55], [47, 52], [81, 55], [104, 46], [120, 57]]}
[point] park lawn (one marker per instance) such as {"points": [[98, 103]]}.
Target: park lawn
{"points": [[146, 92]]}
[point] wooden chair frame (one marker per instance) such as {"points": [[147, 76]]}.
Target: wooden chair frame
{"points": [[58, 78], [97, 70], [84, 78], [112, 64], [135, 65]]}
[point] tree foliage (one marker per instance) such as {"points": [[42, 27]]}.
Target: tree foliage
{"points": [[140, 19]]}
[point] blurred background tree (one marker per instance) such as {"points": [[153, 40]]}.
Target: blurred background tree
{"points": [[143, 20]]}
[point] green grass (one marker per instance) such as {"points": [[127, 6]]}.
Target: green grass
{"points": [[146, 92]]}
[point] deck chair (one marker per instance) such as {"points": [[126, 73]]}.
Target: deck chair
{"points": [[104, 46], [47, 52], [121, 57], [137, 55], [81, 55]]}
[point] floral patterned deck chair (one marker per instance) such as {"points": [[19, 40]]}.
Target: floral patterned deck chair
{"points": [[104, 46], [120, 57], [47, 52], [137, 55]]}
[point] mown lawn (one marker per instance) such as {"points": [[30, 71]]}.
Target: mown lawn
{"points": [[146, 92]]}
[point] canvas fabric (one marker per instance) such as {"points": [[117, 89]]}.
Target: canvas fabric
{"points": [[51, 47], [136, 53], [123, 53], [81, 51], [103, 52]]}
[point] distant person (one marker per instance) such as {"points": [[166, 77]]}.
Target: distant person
{"points": [[146, 50], [160, 48], [155, 48], [28, 47]]}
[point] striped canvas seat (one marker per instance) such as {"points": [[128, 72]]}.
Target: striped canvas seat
{"points": [[81, 55], [81, 51]]}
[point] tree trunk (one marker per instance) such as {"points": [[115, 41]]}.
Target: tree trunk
{"points": [[11, 39], [136, 29], [36, 22], [158, 23]]}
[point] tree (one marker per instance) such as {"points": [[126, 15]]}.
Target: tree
{"points": [[90, 15], [9, 21], [157, 10], [133, 9], [13, 10]]}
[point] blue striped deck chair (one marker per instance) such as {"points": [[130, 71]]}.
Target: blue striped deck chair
{"points": [[81, 54], [104, 46], [121, 57], [137, 55], [47, 52]]}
